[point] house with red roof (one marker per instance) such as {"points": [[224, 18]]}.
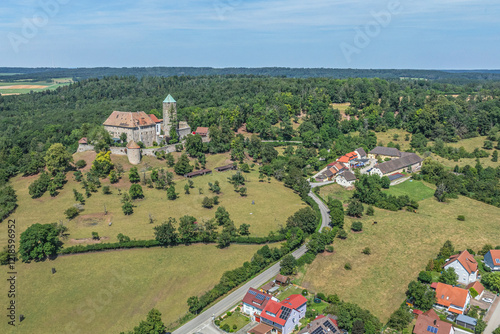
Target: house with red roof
{"points": [[429, 323], [464, 265], [452, 298], [478, 287], [322, 324], [158, 123], [254, 302], [492, 259], [285, 315]]}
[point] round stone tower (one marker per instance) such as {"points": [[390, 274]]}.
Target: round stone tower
{"points": [[133, 153]]}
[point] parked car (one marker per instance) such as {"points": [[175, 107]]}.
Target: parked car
{"points": [[487, 300]]}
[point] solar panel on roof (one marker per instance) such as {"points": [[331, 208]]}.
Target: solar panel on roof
{"points": [[260, 297], [318, 330], [432, 329], [252, 292], [285, 312], [328, 324]]}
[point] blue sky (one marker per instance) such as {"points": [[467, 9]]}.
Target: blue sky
{"points": [[426, 34]]}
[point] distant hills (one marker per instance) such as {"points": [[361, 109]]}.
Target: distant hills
{"points": [[46, 73]]}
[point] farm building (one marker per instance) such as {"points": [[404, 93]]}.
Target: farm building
{"points": [[409, 162], [346, 179], [383, 153], [198, 173], [225, 168]]}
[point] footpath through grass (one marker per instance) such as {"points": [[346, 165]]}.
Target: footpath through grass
{"points": [[112, 292]]}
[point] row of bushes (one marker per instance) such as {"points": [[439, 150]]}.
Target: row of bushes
{"points": [[108, 246], [258, 240]]}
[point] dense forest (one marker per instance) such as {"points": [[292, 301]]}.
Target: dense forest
{"points": [[47, 73], [271, 107]]}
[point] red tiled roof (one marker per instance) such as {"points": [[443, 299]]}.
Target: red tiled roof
{"points": [[132, 144], [202, 131], [454, 310], [477, 286], [343, 158], [434, 285], [251, 299], [261, 329], [447, 295], [418, 312], [338, 166], [127, 119], [155, 119], [430, 318], [465, 259], [83, 141], [294, 301], [495, 254], [281, 278]]}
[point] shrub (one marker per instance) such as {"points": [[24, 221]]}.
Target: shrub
{"points": [[305, 292], [80, 164], [425, 277], [106, 190], [367, 251], [342, 234], [461, 218], [329, 249], [234, 326], [71, 212], [95, 236], [135, 191], [357, 226], [207, 203], [370, 211], [347, 266], [229, 313]]}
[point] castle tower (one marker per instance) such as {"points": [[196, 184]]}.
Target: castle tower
{"points": [[133, 153], [169, 114]]}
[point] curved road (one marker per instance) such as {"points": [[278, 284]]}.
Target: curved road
{"points": [[202, 323]]}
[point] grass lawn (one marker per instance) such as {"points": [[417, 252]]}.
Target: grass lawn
{"points": [[388, 136], [274, 203], [237, 319], [401, 243], [288, 292], [416, 190], [113, 291], [336, 192]]}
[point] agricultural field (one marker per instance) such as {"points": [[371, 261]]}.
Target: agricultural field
{"points": [[24, 87], [274, 203], [401, 244], [110, 292]]}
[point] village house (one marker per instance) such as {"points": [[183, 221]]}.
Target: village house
{"points": [[452, 298], [464, 265], [322, 325], [202, 131], [254, 302], [492, 259], [409, 162], [478, 287], [285, 315], [346, 179], [430, 323]]}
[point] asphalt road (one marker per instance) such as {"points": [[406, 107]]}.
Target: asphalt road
{"points": [[494, 321], [202, 323]]}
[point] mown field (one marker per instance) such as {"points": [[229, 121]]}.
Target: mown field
{"points": [[24, 87], [274, 203], [401, 243], [416, 190], [113, 291]]}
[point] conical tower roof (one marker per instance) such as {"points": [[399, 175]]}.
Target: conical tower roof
{"points": [[132, 144], [169, 99]]}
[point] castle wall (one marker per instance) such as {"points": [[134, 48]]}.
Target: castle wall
{"points": [[146, 134]]}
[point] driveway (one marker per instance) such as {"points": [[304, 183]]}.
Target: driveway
{"points": [[372, 162], [493, 317], [483, 305]]}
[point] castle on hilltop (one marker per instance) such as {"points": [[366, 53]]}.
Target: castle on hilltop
{"points": [[148, 129]]}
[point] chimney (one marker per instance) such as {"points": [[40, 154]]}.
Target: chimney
{"points": [[435, 321]]}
